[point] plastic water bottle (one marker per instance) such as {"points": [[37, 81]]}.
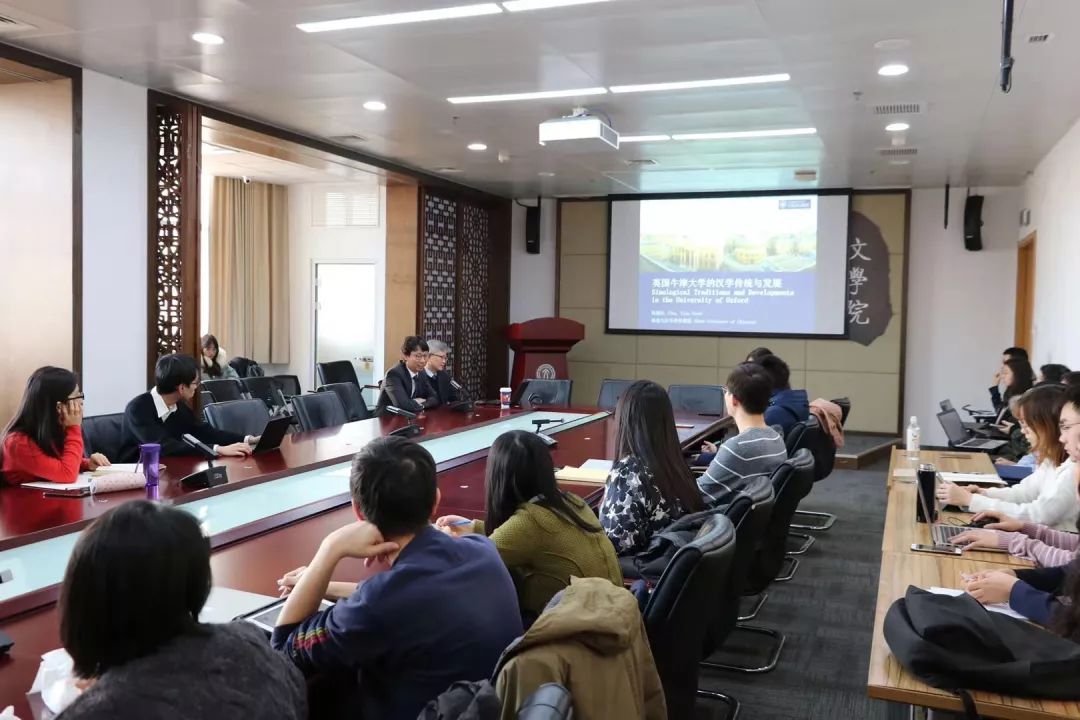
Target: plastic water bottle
{"points": [[913, 438]]}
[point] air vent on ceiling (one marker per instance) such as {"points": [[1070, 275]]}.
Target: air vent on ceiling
{"points": [[1039, 38], [902, 108], [898, 151], [10, 26], [806, 175], [641, 162]]}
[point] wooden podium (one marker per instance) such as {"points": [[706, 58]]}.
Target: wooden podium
{"points": [[540, 348]]}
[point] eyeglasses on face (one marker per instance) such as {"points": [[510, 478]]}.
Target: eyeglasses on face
{"points": [[1066, 427]]}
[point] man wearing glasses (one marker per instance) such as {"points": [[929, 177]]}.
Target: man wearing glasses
{"points": [[444, 387], [406, 385]]}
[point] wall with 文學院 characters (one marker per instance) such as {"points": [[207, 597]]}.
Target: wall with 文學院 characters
{"points": [[867, 367]]}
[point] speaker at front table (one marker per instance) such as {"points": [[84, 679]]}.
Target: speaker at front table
{"points": [[973, 222]]}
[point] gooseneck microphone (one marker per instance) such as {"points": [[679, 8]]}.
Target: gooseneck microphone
{"points": [[409, 430]]}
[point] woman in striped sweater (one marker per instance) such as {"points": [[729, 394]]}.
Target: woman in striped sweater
{"points": [[1042, 545]]}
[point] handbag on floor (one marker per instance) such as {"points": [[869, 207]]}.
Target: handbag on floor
{"points": [[954, 643]]}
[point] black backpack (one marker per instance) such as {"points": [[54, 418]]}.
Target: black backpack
{"points": [[245, 367], [954, 643]]}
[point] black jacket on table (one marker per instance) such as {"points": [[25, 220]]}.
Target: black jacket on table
{"points": [[445, 393], [142, 425], [400, 391]]}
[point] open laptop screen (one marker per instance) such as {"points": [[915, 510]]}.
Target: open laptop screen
{"points": [[953, 426]]}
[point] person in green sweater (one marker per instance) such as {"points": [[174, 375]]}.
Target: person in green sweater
{"points": [[544, 535]]}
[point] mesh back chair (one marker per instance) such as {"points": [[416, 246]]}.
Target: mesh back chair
{"points": [[845, 409], [289, 385], [690, 589], [610, 392], [336, 372], [224, 390], [104, 434], [265, 389], [697, 399], [351, 399], [546, 392], [243, 417], [550, 701], [820, 445], [319, 410]]}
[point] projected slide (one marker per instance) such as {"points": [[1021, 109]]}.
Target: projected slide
{"points": [[751, 265]]}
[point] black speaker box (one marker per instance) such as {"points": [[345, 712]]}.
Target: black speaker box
{"points": [[973, 222], [532, 230]]}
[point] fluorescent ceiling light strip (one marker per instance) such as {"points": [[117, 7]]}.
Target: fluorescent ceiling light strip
{"points": [[543, 95], [643, 138], [744, 134], [693, 84], [449, 13], [521, 5]]}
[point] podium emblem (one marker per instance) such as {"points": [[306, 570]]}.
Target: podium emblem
{"points": [[545, 372]]}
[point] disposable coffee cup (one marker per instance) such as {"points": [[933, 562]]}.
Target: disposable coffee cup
{"points": [[504, 398]]}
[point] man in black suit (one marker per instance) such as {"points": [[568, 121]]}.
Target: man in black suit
{"points": [[163, 415], [441, 382], [406, 385]]}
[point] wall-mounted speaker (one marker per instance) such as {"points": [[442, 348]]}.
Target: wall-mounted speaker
{"points": [[973, 222], [532, 230]]}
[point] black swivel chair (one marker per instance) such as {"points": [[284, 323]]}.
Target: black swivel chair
{"points": [[610, 392], [319, 410], [206, 398], [697, 399], [546, 392], [289, 385], [243, 417], [265, 389], [820, 445], [689, 590], [351, 399], [104, 434], [550, 701], [225, 389], [337, 371]]}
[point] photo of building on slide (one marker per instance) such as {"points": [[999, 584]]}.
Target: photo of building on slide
{"points": [[732, 234]]}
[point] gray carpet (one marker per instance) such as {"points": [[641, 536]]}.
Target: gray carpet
{"points": [[827, 613]]}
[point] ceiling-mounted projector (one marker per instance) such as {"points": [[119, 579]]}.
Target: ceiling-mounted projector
{"points": [[578, 132]]}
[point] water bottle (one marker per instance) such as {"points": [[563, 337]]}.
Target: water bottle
{"points": [[913, 439], [149, 454]]}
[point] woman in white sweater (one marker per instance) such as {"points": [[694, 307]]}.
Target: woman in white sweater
{"points": [[1048, 495]]}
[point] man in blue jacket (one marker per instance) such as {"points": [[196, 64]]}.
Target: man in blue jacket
{"points": [[787, 406]]}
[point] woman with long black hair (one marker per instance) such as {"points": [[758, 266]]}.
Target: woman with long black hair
{"points": [[44, 440], [213, 363], [651, 485]]}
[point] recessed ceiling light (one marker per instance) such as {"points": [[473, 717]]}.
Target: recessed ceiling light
{"points": [[897, 127], [892, 44], [643, 138], [448, 170], [478, 147], [542, 95], [204, 38], [546, 174], [520, 5], [692, 84], [743, 134], [893, 70], [375, 105], [449, 13]]}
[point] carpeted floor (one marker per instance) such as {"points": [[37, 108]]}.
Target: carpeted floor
{"points": [[827, 613]]}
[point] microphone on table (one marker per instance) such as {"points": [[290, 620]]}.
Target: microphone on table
{"points": [[465, 404], [547, 439], [409, 430], [212, 476]]}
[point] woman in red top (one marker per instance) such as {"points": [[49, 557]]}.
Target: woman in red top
{"points": [[44, 440]]}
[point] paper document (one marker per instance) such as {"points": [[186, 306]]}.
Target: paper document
{"points": [[597, 465], [83, 481], [972, 478], [117, 467], [582, 475], [1002, 608]]}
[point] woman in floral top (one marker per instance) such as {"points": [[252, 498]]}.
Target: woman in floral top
{"points": [[651, 485]]}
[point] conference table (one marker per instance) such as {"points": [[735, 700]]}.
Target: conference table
{"points": [[274, 510], [901, 567]]}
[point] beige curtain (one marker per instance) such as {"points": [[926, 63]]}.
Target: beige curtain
{"points": [[249, 269]]}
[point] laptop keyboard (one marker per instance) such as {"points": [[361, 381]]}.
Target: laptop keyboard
{"points": [[942, 534]]}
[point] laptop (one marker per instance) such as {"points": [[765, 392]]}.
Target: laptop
{"points": [[960, 437], [979, 428], [273, 434], [225, 604]]}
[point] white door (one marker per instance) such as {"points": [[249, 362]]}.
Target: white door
{"points": [[345, 310]]}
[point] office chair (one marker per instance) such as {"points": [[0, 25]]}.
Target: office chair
{"points": [[550, 701], [813, 438], [610, 392], [265, 389], [337, 371], [242, 417], [289, 385], [225, 389], [103, 434], [688, 592], [206, 398], [352, 400], [319, 410], [546, 392], [697, 399]]}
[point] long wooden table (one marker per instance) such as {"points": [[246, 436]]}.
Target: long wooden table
{"points": [[900, 568], [253, 562]]}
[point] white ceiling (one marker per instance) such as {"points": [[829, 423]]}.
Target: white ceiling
{"points": [[225, 162], [316, 83]]}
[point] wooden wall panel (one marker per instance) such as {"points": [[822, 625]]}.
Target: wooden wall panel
{"points": [[402, 238]]}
